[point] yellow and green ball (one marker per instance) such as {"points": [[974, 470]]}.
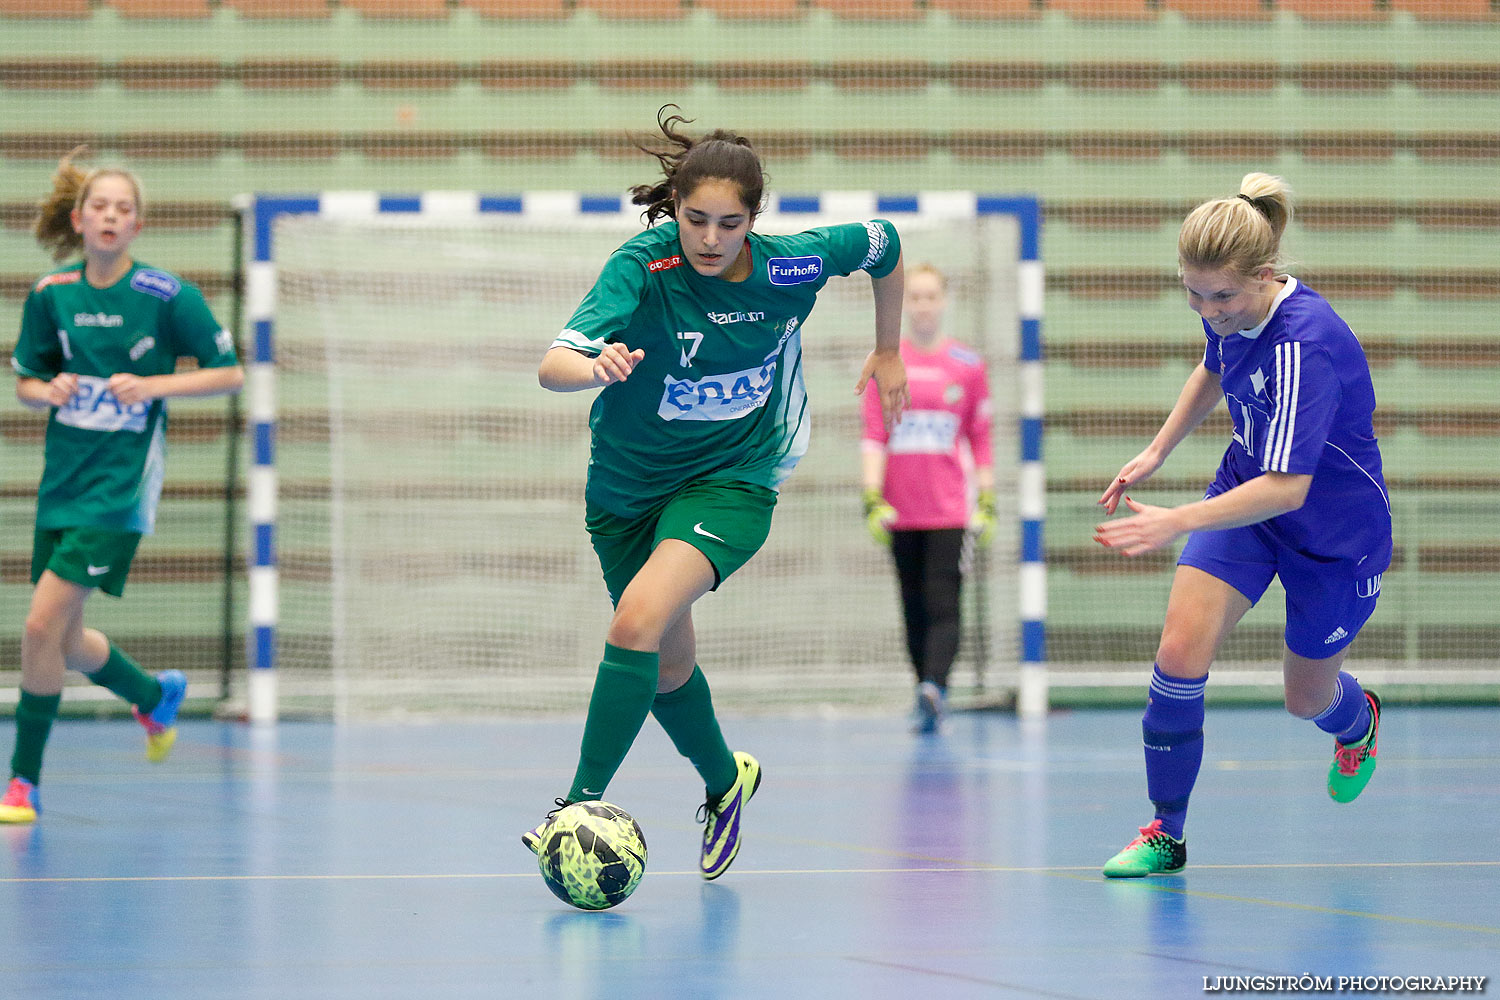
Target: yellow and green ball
{"points": [[593, 855]]}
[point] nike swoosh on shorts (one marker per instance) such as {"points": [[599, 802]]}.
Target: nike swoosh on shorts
{"points": [[698, 528]]}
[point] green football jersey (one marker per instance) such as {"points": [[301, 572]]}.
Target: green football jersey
{"points": [[719, 393], [105, 461]]}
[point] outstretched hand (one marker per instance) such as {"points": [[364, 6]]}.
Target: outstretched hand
{"points": [[1147, 528], [1137, 470]]}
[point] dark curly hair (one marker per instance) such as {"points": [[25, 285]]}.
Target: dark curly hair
{"points": [[688, 162]]}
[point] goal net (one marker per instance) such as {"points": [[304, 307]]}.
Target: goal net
{"points": [[430, 541]]}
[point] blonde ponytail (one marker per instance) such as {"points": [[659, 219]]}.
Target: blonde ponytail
{"points": [[1241, 233]]}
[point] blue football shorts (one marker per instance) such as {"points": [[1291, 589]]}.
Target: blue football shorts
{"points": [[1327, 600]]}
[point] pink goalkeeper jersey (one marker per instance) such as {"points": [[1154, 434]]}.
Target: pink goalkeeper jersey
{"points": [[926, 466]]}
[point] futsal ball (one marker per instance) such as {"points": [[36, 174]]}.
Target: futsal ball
{"points": [[593, 855]]}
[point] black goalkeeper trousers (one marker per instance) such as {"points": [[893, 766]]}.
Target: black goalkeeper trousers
{"points": [[927, 565]]}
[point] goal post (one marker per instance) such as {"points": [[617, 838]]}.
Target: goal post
{"points": [[416, 498]]}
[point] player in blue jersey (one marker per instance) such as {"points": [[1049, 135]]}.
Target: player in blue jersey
{"points": [[693, 333], [98, 352], [1299, 495]]}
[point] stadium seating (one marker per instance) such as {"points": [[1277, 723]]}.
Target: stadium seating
{"points": [[79, 72], [48, 9], [520, 10], [196, 145], [1219, 10], [880, 10], [986, 9], [1114, 75], [407, 74], [1241, 77], [670, 75], [754, 10], [1386, 117], [526, 74], [780, 75], [1105, 10], [1346, 75], [295, 10], [289, 74], [161, 8], [1334, 10], [402, 10], [1448, 10], [1086, 145], [72, 73], [973, 74], [1455, 76], [869, 75], [636, 10], [168, 74]]}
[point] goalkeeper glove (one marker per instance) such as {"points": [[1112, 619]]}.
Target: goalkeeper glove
{"points": [[879, 516], [983, 522]]}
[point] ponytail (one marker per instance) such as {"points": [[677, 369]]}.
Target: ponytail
{"points": [[1243, 232], [70, 187], [718, 155]]}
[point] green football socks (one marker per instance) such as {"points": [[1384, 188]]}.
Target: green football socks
{"points": [[124, 677], [687, 714], [34, 715], [623, 691]]}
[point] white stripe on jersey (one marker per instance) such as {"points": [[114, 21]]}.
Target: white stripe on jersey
{"points": [[1373, 481], [878, 241], [576, 341], [1278, 450]]}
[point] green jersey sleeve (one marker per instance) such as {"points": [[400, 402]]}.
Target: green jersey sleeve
{"points": [[39, 350], [196, 333], [607, 309], [872, 246]]}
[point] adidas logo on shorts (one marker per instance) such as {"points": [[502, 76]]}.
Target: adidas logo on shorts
{"points": [[1338, 634]]}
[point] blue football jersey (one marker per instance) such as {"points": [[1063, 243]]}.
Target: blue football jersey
{"points": [[1299, 391]]}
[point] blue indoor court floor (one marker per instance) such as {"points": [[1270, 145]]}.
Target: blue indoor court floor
{"points": [[372, 861]]}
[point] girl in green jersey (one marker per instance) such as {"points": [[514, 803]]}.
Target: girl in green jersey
{"points": [[693, 333], [98, 352]]}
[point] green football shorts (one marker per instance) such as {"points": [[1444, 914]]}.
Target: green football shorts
{"points": [[89, 557], [727, 521]]}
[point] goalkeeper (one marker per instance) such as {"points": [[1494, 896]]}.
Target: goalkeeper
{"points": [[918, 490], [693, 331]]}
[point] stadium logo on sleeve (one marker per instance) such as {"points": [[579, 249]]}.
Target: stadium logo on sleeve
{"points": [[794, 270], [665, 264], [157, 283]]}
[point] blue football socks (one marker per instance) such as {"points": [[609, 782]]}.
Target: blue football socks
{"points": [[1347, 716], [1172, 730]]}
